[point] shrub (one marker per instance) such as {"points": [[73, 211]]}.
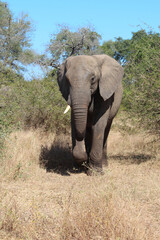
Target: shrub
{"points": [[37, 103]]}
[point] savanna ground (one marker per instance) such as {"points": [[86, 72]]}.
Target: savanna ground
{"points": [[42, 196]]}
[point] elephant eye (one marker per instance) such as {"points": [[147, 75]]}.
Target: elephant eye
{"points": [[92, 79]]}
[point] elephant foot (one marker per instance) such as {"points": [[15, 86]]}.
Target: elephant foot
{"points": [[104, 159], [95, 165], [79, 156], [93, 171], [78, 167]]}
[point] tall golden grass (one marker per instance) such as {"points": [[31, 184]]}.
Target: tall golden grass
{"points": [[43, 196]]}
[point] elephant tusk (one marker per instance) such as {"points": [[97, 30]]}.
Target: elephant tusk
{"points": [[67, 109]]}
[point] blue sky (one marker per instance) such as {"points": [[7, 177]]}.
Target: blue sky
{"points": [[109, 18]]}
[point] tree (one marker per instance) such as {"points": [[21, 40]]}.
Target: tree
{"points": [[108, 47], [14, 39], [143, 73], [67, 43], [117, 49], [140, 57]]}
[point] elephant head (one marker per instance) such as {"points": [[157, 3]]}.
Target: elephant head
{"points": [[79, 77]]}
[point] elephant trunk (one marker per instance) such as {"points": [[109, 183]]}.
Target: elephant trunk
{"points": [[80, 120], [80, 111]]}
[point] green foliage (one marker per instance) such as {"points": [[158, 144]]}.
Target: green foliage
{"points": [[117, 49], [34, 104], [44, 105], [14, 39], [109, 48], [140, 57], [8, 76], [67, 43], [144, 77]]}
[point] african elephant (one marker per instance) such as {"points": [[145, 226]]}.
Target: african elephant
{"points": [[92, 86]]}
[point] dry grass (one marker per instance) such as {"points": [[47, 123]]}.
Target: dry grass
{"points": [[57, 201]]}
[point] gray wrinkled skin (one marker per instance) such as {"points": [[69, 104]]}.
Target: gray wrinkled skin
{"points": [[92, 86]]}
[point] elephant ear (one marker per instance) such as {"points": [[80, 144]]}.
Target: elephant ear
{"points": [[63, 83], [111, 76]]}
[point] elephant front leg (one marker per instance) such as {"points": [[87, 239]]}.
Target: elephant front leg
{"points": [[96, 155], [97, 150]]}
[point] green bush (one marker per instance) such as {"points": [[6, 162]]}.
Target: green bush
{"points": [[140, 57], [43, 106], [142, 80], [37, 103]]}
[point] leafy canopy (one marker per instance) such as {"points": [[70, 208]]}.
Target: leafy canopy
{"points": [[67, 43], [14, 39], [140, 57]]}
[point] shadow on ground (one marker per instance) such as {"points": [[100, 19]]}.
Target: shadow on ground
{"points": [[58, 158], [132, 158]]}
